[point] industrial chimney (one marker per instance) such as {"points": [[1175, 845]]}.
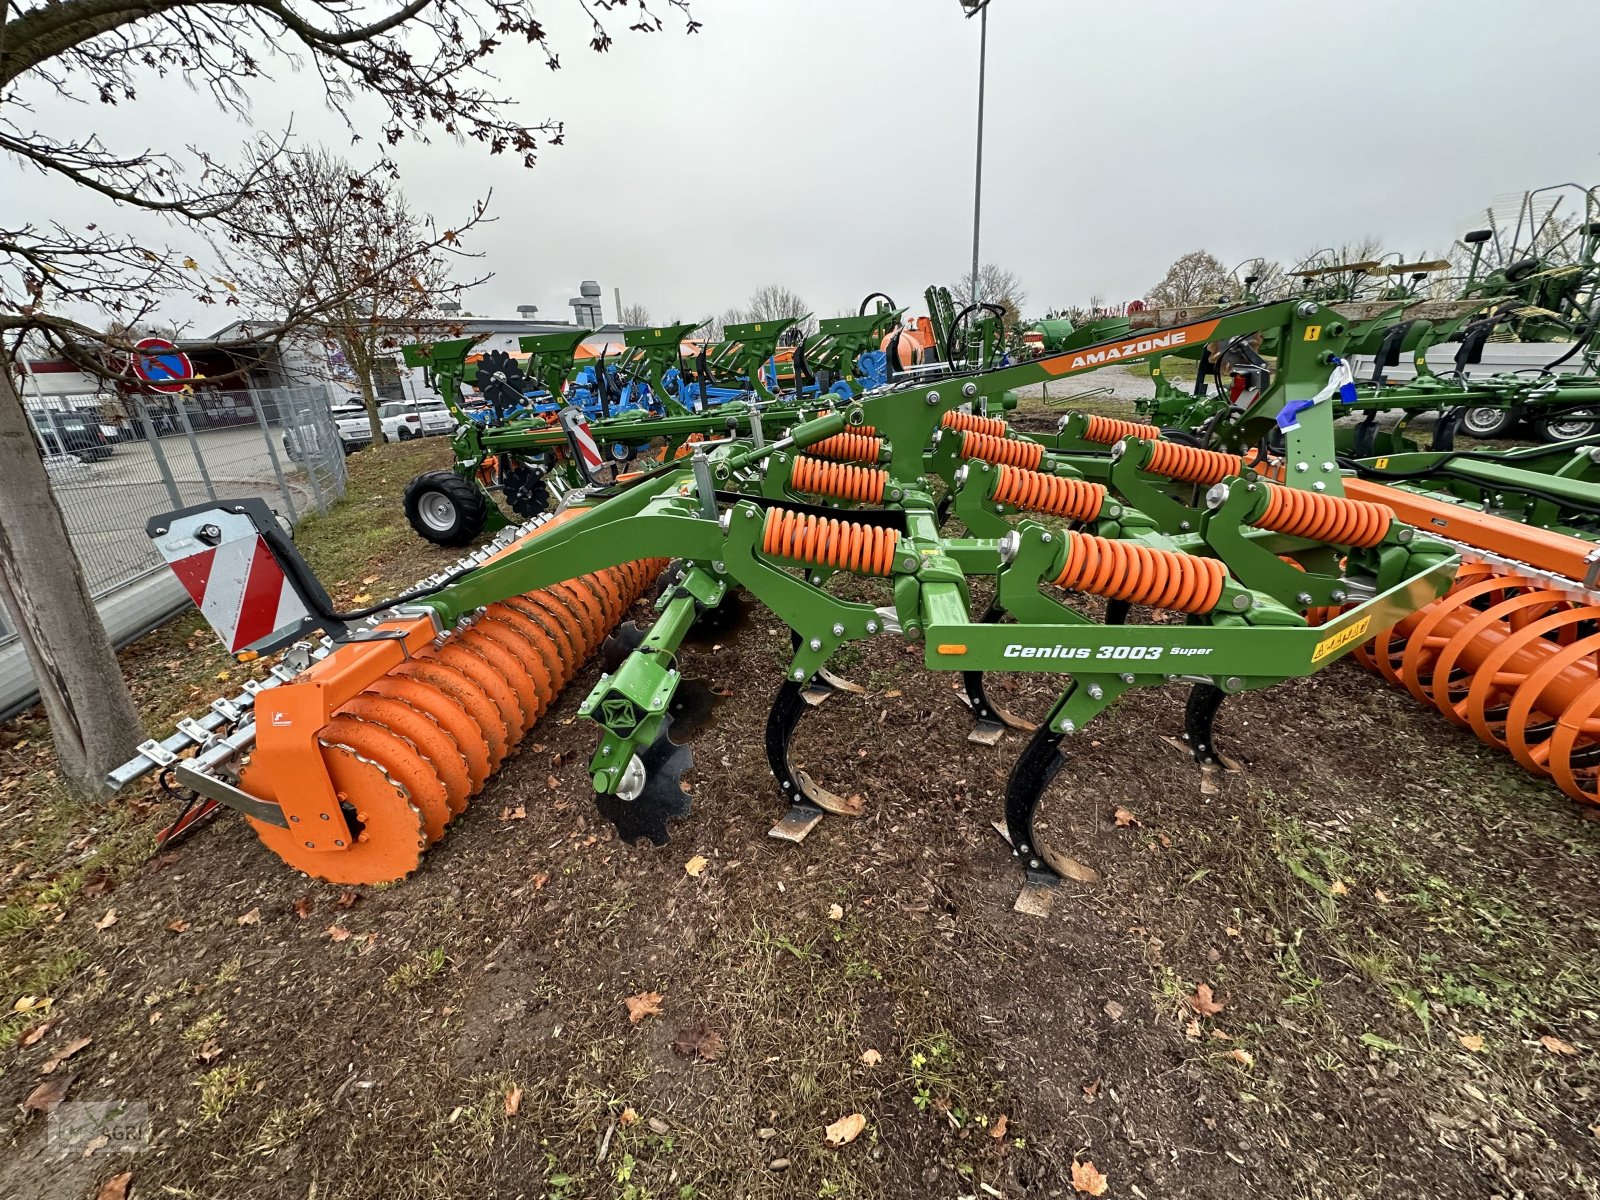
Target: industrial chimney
{"points": [[586, 305]]}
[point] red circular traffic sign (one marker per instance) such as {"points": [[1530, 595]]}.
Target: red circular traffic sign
{"points": [[162, 365]]}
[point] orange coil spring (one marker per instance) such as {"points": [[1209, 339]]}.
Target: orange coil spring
{"points": [[973, 423], [848, 447], [1034, 491], [1107, 430], [843, 481], [1011, 452], [1191, 464], [1142, 575], [824, 542], [1324, 518]]}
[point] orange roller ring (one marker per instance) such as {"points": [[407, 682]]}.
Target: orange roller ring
{"points": [[424, 736], [450, 716], [472, 699], [494, 685]]}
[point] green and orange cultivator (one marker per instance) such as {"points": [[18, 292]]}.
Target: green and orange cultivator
{"points": [[882, 519]]}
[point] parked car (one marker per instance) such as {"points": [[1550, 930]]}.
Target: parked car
{"points": [[355, 432], [406, 419], [69, 433]]}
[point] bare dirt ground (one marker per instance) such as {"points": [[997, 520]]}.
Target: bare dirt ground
{"points": [[1397, 928]]}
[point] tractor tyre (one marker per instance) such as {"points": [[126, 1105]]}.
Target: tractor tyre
{"points": [[446, 509]]}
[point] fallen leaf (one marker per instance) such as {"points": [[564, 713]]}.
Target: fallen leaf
{"points": [[871, 1057], [645, 1004], [347, 898], [115, 1188], [1556, 1046], [37, 1032], [253, 917], [47, 1097], [303, 906], [1085, 1178], [1124, 818], [178, 925], [107, 921], [1338, 888], [699, 1043], [1471, 1041], [97, 884], [551, 782], [1380, 897], [513, 1101], [1192, 1029], [627, 1117], [63, 1054], [29, 1003], [998, 1129], [209, 1052], [361, 598], [540, 879], [835, 912], [513, 814], [1233, 931], [1113, 1010], [696, 865], [1092, 1088], [337, 933], [1242, 1057], [370, 579], [845, 1130], [1202, 1001], [893, 694]]}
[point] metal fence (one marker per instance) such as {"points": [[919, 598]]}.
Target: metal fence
{"points": [[114, 462]]}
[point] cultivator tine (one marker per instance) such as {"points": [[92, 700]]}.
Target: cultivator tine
{"points": [[824, 683], [808, 801], [1199, 713], [989, 719], [652, 791], [1043, 868]]}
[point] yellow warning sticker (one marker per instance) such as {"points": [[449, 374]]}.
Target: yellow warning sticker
{"points": [[1345, 637], [1313, 333]]}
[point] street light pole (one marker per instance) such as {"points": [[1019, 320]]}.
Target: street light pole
{"points": [[977, 182]]}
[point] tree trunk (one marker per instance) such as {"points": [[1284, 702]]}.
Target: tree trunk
{"points": [[91, 715], [369, 397]]}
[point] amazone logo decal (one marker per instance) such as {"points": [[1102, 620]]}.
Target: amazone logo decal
{"points": [[1099, 356]]}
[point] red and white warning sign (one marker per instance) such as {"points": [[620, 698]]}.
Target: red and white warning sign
{"points": [[583, 444], [231, 575]]}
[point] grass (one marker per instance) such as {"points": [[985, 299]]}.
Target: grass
{"points": [[219, 1088]]}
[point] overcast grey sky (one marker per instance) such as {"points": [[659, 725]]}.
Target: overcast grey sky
{"points": [[828, 145]]}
